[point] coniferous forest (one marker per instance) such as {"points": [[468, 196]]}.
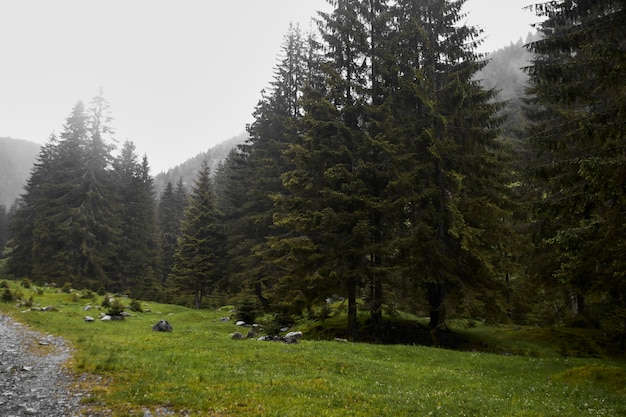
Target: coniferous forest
{"points": [[379, 170]]}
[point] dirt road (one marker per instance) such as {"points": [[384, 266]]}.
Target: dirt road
{"points": [[33, 380]]}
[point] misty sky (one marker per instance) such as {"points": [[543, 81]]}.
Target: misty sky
{"points": [[180, 75]]}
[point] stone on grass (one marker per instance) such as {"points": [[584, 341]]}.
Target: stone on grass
{"points": [[293, 335], [89, 318], [162, 326], [236, 336]]}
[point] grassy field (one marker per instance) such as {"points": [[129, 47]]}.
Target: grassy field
{"points": [[198, 369]]}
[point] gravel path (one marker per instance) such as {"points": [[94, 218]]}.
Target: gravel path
{"points": [[33, 380]]}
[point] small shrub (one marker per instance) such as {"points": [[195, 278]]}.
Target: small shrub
{"points": [[116, 308], [27, 303], [89, 295], [26, 283], [67, 288], [248, 310], [136, 306], [106, 301], [7, 295], [4, 284]]}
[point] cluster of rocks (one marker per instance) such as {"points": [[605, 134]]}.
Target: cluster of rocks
{"points": [[107, 317], [47, 308], [291, 337], [253, 333]]}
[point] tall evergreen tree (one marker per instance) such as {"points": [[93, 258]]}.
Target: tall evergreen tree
{"points": [[276, 124], [66, 225], [195, 269], [170, 213], [136, 263], [95, 223], [577, 78], [457, 209], [4, 228], [336, 199], [59, 200], [169, 228], [22, 223]]}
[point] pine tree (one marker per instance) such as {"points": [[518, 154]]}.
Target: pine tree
{"points": [[337, 192], [577, 78], [136, 262], [58, 200], [276, 125], [4, 228], [169, 228], [65, 228], [95, 223], [457, 209], [195, 269], [22, 223]]}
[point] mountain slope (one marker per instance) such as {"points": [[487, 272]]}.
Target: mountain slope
{"points": [[188, 170], [17, 157]]}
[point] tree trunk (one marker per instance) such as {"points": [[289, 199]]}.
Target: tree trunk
{"points": [[435, 292], [259, 294], [376, 307], [352, 314]]}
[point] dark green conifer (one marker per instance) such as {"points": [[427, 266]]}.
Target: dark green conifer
{"points": [[577, 79], [195, 270], [136, 261]]}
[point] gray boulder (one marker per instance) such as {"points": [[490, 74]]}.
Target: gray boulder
{"points": [[162, 326], [294, 335]]}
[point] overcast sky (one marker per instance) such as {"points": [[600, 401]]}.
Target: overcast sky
{"points": [[180, 75]]}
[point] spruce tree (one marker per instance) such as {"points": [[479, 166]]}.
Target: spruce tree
{"points": [[22, 223], [4, 228], [58, 202], [136, 261], [577, 80], [195, 269], [66, 225], [276, 125], [169, 228], [457, 208], [336, 199]]}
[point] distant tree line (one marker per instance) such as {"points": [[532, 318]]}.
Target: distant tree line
{"points": [[376, 171]]}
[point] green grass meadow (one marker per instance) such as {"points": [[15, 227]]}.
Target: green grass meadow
{"points": [[199, 370]]}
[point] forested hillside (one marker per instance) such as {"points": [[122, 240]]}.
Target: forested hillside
{"points": [[505, 73], [16, 160], [381, 171], [188, 170]]}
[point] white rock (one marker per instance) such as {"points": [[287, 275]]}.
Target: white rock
{"points": [[293, 335]]}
